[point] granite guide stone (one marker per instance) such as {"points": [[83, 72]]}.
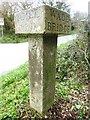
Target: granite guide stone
{"points": [[42, 20], [42, 57], [43, 24]]}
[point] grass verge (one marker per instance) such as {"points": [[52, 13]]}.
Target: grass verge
{"points": [[7, 38], [13, 38], [70, 98]]}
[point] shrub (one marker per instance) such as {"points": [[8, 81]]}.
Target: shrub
{"points": [[72, 60]]}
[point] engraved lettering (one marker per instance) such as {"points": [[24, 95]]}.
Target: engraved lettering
{"points": [[53, 26], [65, 28], [68, 28], [53, 14], [60, 27], [57, 28], [49, 20], [49, 26], [63, 17], [58, 16], [33, 99]]}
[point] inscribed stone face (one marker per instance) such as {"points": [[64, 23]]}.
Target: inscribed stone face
{"points": [[42, 20]]}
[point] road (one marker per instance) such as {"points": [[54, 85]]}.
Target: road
{"points": [[13, 55], [64, 39]]}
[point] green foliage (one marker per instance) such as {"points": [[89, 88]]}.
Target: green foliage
{"points": [[60, 5], [63, 6], [8, 15], [18, 38], [15, 95], [12, 38], [9, 24], [8, 10], [72, 62], [71, 72], [14, 90]]}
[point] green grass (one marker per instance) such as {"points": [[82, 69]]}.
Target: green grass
{"points": [[15, 93], [8, 38], [15, 38], [14, 89], [70, 33]]}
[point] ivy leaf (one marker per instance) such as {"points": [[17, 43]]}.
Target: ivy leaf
{"points": [[77, 106]]}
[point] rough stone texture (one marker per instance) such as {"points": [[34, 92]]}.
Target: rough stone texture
{"points": [[42, 57], [44, 19], [44, 24]]}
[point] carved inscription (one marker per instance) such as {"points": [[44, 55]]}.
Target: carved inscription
{"points": [[44, 19], [57, 27], [57, 21], [59, 15], [33, 99]]}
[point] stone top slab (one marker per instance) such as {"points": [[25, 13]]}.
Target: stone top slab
{"points": [[42, 20]]}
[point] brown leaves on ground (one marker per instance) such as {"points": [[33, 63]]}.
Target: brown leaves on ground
{"points": [[71, 107], [61, 110]]}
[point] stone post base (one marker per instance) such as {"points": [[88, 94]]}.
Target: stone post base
{"points": [[42, 58]]}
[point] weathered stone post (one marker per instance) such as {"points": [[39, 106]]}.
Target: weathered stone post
{"points": [[43, 24]]}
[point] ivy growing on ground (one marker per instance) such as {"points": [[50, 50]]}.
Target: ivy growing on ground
{"points": [[72, 60]]}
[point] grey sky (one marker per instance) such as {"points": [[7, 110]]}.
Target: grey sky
{"points": [[76, 5]]}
